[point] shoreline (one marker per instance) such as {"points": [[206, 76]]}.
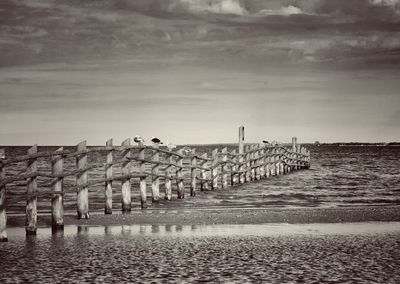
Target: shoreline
{"points": [[298, 215]]}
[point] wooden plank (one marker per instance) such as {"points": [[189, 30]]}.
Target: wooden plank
{"points": [[155, 185], [214, 169], [142, 182], [108, 193], [81, 181], [224, 168], [125, 170], [57, 203], [3, 214], [203, 173], [179, 176], [193, 173], [31, 190]]}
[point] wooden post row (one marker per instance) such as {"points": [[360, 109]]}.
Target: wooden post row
{"points": [[81, 182], [57, 203], [31, 191], [3, 215]]}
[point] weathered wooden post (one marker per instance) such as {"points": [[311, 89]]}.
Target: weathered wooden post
{"points": [[126, 182], [282, 161], [109, 174], [241, 139], [155, 185], [298, 156], [81, 182], [203, 173], [179, 176], [261, 167], [57, 203], [247, 159], [214, 169], [267, 163], [234, 167], [294, 143], [253, 160], [31, 191], [142, 179], [168, 177], [224, 167], [193, 173], [3, 215], [242, 176]]}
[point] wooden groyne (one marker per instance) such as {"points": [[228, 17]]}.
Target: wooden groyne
{"points": [[163, 166]]}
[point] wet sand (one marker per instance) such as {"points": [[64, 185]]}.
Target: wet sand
{"points": [[228, 216]]}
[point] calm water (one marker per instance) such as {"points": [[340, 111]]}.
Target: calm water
{"points": [[273, 253], [339, 176]]}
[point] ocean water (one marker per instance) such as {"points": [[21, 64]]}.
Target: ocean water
{"points": [[339, 176]]}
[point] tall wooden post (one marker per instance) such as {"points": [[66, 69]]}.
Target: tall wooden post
{"points": [[214, 169], [193, 173], [109, 174], [31, 191], [155, 185], [203, 173], [247, 157], [57, 203], [179, 176], [125, 170], [267, 163], [142, 182], [224, 168], [233, 168], [3, 215], [241, 139], [261, 167], [282, 161], [294, 143], [81, 182]]}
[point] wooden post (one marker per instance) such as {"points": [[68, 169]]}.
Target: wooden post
{"points": [[57, 203], [247, 168], [214, 169], [126, 183], [155, 185], [267, 163], [3, 215], [298, 152], [81, 183], [241, 139], [252, 162], [193, 173], [31, 190], [233, 168], [168, 177], [224, 168], [261, 168], [294, 143], [282, 162], [109, 174], [204, 184], [274, 161], [142, 169], [179, 177]]}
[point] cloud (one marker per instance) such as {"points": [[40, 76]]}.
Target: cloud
{"points": [[283, 11]]}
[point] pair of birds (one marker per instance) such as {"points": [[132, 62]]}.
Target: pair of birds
{"points": [[139, 139]]}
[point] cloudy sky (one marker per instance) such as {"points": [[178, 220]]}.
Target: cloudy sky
{"points": [[192, 71]]}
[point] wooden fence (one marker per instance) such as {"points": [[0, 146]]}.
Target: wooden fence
{"points": [[222, 169]]}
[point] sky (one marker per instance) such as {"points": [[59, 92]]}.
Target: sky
{"points": [[193, 71]]}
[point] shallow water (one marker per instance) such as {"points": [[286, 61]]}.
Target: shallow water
{"points": [[273, 253], [339, 176]]}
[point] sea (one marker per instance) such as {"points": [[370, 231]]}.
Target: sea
{"points": [[339, 176]]}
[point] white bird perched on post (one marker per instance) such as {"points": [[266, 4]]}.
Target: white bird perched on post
{"points": [[138, 139], [155, 140]]}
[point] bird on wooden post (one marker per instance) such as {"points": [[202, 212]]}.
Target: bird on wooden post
{"points": [[155, 140], [138, 139]]}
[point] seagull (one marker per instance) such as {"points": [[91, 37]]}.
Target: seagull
{"points": [[155, 140], [138, 139], [265, 142], [187, 150]]}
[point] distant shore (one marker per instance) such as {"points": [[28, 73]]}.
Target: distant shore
{"points": [[229, 216]]}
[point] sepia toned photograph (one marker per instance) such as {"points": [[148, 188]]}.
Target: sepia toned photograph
{"points": [[200, 141]]}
